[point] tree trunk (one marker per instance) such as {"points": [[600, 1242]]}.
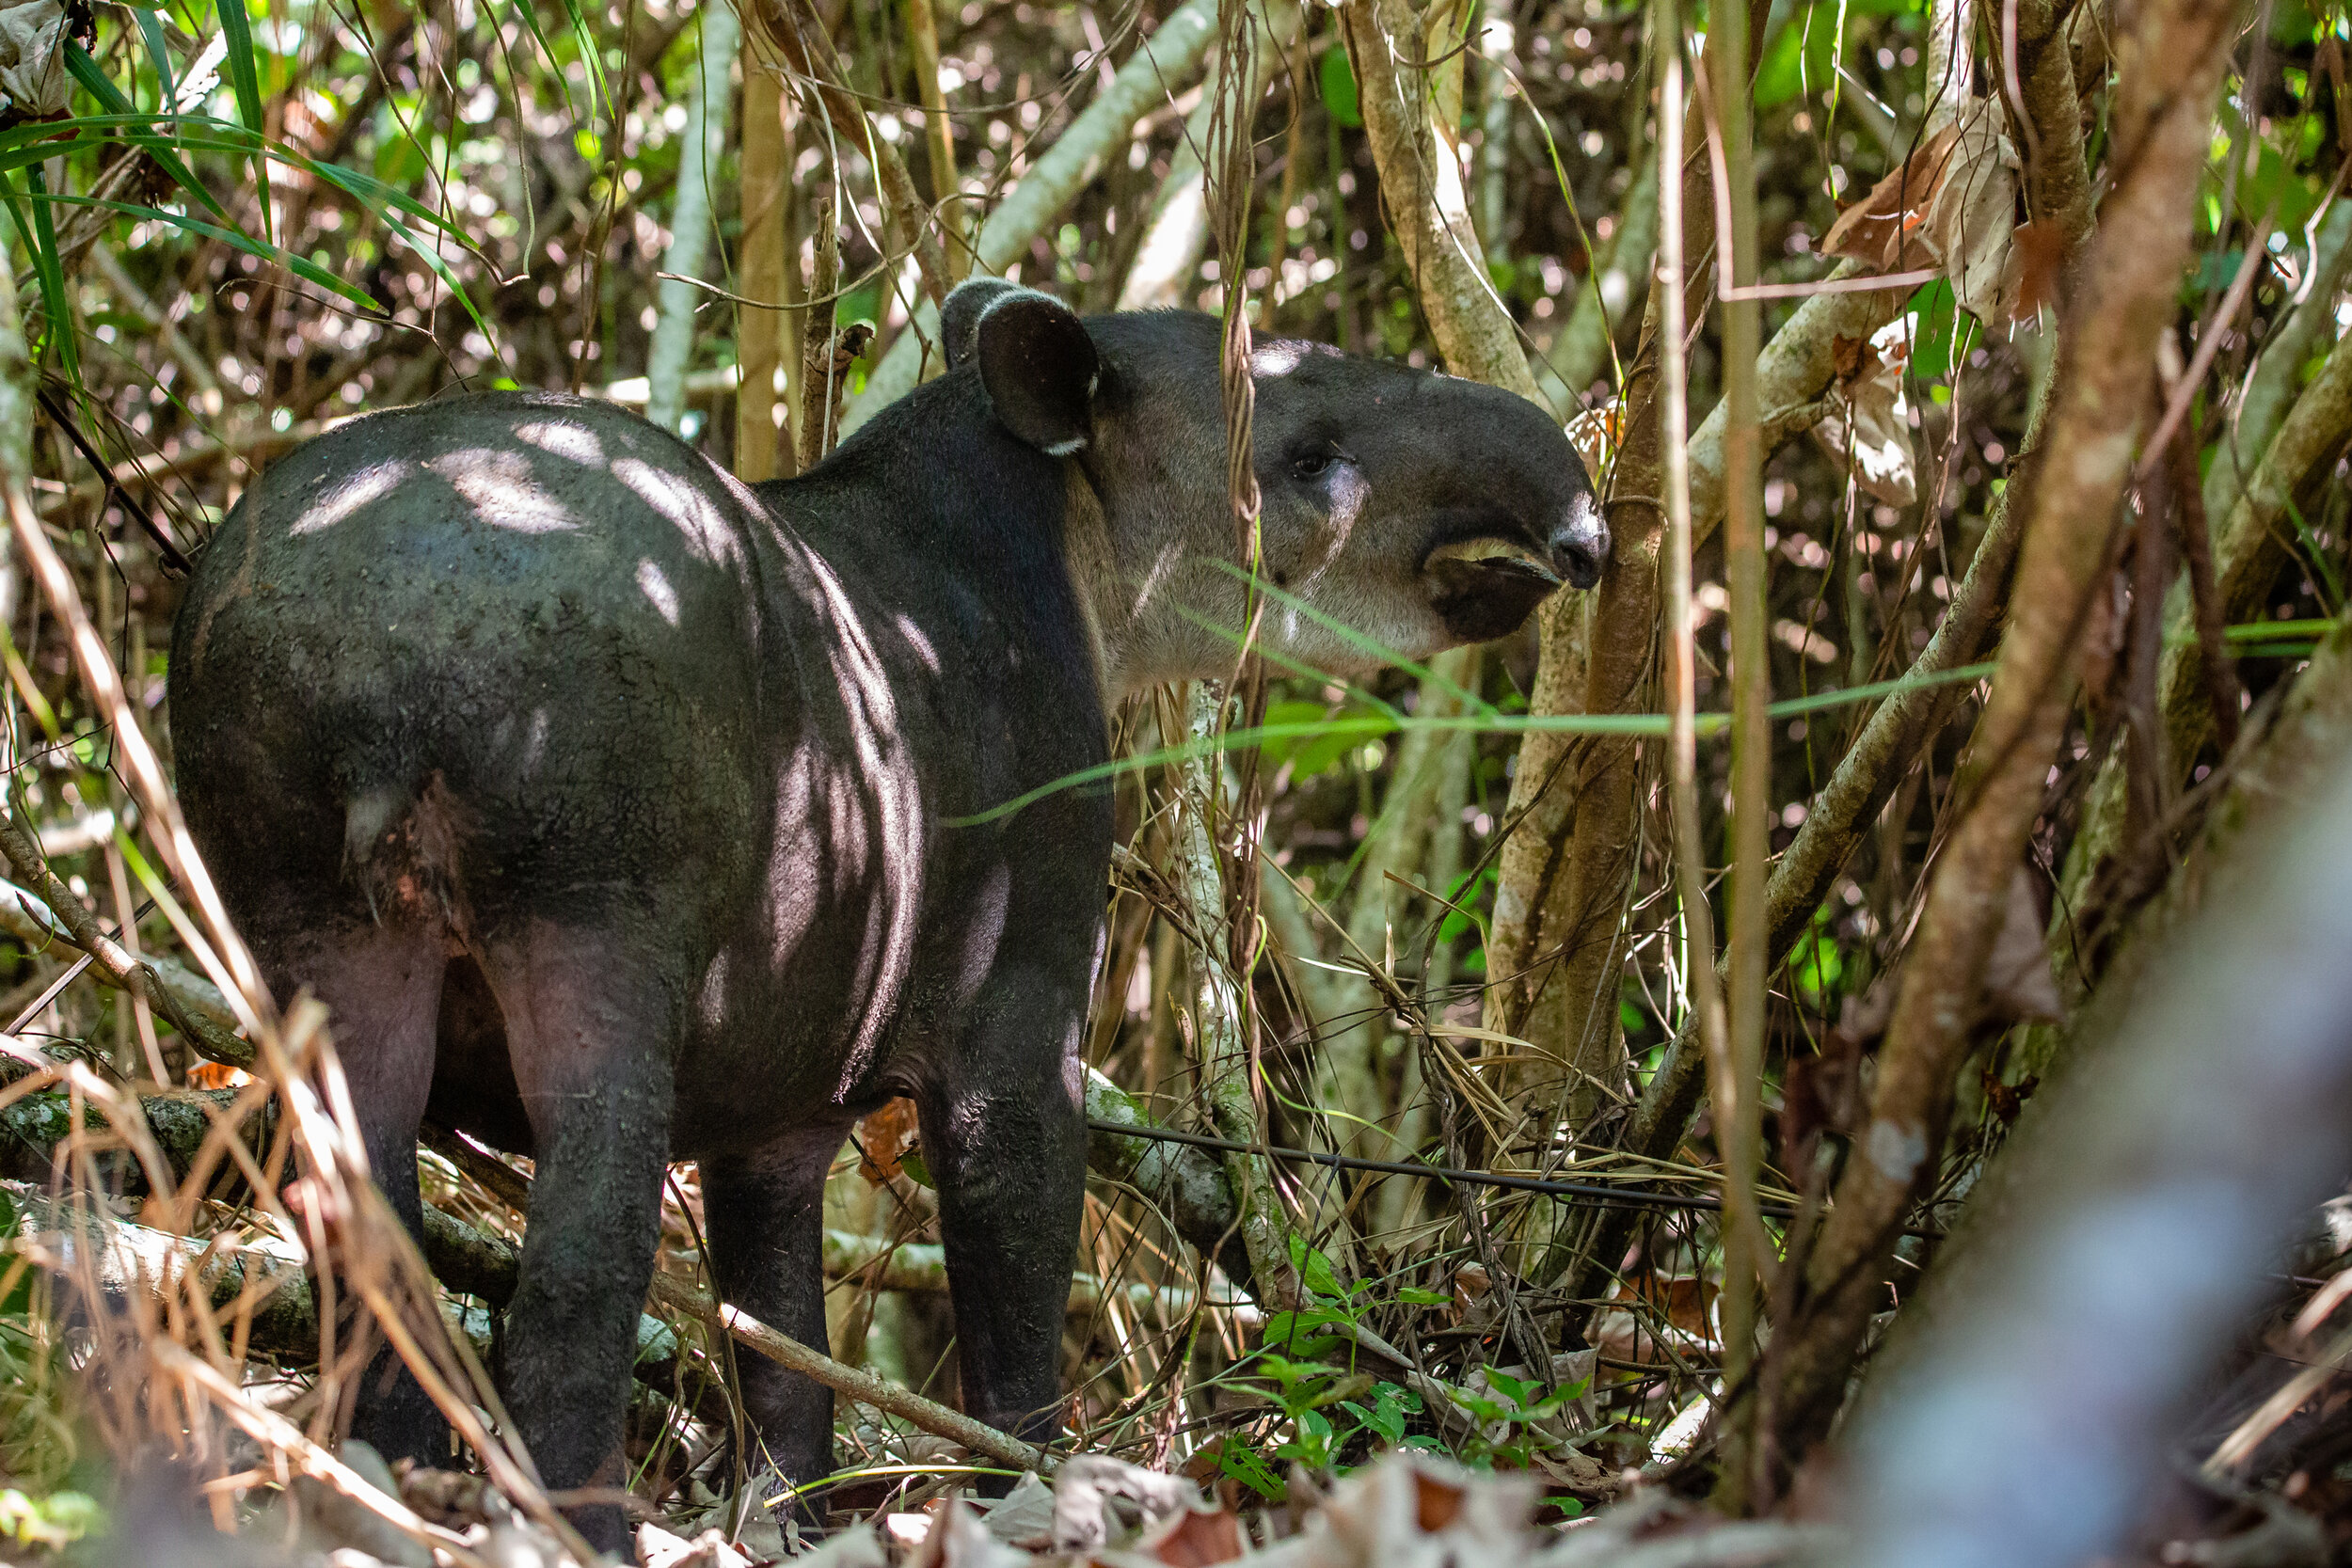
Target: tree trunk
{"points": [[2171, 64], [704, 144]]}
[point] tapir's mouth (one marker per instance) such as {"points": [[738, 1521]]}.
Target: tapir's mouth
{"points": [[1486, 587], [1487, 553]]}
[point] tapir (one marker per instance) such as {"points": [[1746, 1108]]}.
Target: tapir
{"points": [[622, 813]]}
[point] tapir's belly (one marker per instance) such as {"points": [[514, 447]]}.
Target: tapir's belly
{"points": [[777, 1044]]}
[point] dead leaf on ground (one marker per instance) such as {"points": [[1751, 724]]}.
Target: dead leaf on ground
{"points": [[1195, 1537], [1627, 1329], [658, 1548], [1413, 1509], [1025, 1516], [1086, 1515], [958, 1539]]}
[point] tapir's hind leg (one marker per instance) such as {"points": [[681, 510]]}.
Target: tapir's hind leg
{"points": [[766, 1215], [589, 1026], [382, 987]]}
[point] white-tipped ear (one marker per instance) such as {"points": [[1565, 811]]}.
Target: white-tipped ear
{"points": [[1040, 367], [959, 317]]}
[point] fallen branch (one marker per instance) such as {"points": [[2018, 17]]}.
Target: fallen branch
{"points": [[858, 1384], [108, 957]]}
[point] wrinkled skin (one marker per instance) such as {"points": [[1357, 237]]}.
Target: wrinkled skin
{"points": [[608, 802]]}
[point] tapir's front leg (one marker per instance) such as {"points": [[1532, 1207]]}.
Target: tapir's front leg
{"points": [[589, 1031], [1004, 1132]]}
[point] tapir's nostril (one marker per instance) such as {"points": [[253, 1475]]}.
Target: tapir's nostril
{"points": [[1579, 544]]}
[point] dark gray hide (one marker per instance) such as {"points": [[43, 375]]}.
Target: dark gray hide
{"points": [[602, 798]]}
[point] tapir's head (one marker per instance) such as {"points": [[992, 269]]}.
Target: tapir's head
{"points": [[1402, 512]]}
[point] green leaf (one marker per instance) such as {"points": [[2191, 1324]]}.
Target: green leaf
{"points": [[246, 78], [1315, 1269], [86, 71], [1413, 1295], [1244, 1464], [30, 209], [1941, 332], [1337, 78], [159, 55], [302, 268]]}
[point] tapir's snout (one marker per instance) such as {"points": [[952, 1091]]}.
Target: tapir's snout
{"points": [[1578, 544]]}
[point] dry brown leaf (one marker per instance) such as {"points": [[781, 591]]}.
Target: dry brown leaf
{"points": [[33, 80], [883, 1138], [2037, 259], [1870, 432], [1435, 1501], [1084, 1514], [1686, 1303], [1415, 1510], [1972, 218], [959, 1540], [1594, 434], [1846, 355], [2017, 977], [1193, 1538], [1952, 205], [1025, 1517], [658, 1548], [1881, 230]]}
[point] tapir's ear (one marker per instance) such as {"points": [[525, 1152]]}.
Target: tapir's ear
{"points": [[959, 318], [1039, 367]]}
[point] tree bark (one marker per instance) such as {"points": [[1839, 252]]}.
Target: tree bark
{"points": [[1420, 188], [704, 144], [765, 340], [2250, 550], [2171, 61], [2033, 1386]]}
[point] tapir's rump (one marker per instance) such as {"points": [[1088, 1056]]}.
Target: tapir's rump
{"points": [[614, 807]]}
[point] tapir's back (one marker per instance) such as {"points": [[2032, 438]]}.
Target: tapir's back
{"points": [[531, 614]]}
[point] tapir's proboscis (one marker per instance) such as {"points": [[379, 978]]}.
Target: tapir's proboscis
{"points": [[624, 814]]}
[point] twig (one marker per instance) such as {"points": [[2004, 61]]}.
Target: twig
{"points": [[858, 1384], [2204, 596], [112, 960]]}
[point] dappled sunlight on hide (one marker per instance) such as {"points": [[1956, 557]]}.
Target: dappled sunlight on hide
{"points": [[503, 491], [657, 589], [858, 792], [367, 485], [1274, 359], [558, 438], [681, 503], [915, 638]]}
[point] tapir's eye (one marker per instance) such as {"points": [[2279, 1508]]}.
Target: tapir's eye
{"points": [[1313, 461]]}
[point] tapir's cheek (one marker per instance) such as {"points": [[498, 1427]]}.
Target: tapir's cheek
{"points": [[1478, 605]]}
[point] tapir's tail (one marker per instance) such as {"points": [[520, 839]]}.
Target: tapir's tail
{"points": [[401, 845]]}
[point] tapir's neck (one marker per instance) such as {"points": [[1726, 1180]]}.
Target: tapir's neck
{"points": [[1135, 592]]}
